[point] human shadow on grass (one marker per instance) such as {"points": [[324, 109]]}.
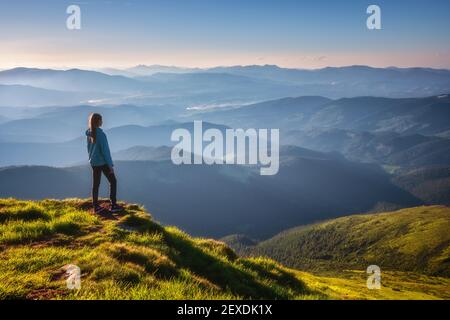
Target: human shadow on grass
{"points": [[228, 276]]}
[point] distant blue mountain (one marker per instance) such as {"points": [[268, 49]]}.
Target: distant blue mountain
{"points": [[160, 84], [220, 200], [22, 148], [28, 96], [429, 116], [71, 80], [143, 70], [338, 75], [60, 124]]}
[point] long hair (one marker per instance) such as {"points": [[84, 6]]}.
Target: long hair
{"points": [[94, 123]]}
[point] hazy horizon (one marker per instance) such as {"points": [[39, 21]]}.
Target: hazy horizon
{"points": [[90, 68]]}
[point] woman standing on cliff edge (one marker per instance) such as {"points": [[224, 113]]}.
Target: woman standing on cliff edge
{"points": [[101, 161]]}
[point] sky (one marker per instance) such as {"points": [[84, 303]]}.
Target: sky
{"points": [[207, 33]]}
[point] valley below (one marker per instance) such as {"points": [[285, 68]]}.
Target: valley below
{"points": [[363, 179]]}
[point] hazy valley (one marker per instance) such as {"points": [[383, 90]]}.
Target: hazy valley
{"points": [[356, 144]]}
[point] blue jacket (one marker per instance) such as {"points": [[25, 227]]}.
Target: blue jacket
{"points": [[99, 153]]}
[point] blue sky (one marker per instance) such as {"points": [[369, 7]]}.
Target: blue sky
{"points": [[291, 33]]}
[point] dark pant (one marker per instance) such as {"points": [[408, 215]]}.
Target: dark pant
{"points": [[96, 178]]}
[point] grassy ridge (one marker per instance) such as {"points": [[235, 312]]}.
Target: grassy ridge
{"points": [[395, 285], [413, 239], [125, 257], [129, 256]]}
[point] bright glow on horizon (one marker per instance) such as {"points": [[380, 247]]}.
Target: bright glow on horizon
{"points": [[41, 58], [439, 61]]}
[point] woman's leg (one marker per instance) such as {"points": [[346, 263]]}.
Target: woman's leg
{"points": [[96, 178], [112, 184]]}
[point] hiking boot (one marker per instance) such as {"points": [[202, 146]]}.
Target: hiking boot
{"points": [[116, 208], [99, 209]]}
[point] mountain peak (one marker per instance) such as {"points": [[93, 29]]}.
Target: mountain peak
{"points": [[125, 256]]}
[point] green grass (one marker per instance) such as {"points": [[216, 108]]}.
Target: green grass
{"points": [[395, 285], [23, 222], [130, 256], [413, 239]]}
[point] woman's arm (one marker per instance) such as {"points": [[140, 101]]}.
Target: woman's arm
{"points": [[104, 147]]}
